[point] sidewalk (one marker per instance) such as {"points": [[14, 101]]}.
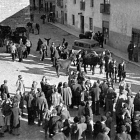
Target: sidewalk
{"points": [[116, 52]]}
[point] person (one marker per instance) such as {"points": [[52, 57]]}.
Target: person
{"points": [[95, 93], [76, 94], [81, 109], [20, 52], [136, 53], [103, 135], [6, 107], [42, 106], [38, 28], [43, 50], [66, 94], [30, 107], [110, 97], [28, 45], [55, 57], [58, 135], [39, 43], [21, 88], [122, 135], [52, 122], [130, 50], [48, 40], [109, 122], [4, 90], [56, 98], [121, 70], [52, 48], [59, 88], [13, 51], [2, 123], [65, 112], [16, 119], [137, 102], [43, 17], [88, 109], [81, 128]]}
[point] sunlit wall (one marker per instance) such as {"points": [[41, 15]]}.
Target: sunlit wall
{"points": [[10, 7]]}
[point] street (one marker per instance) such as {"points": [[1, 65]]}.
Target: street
{"points": [[32, 69]]}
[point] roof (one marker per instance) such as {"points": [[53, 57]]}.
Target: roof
{"points": [[88, 41]]}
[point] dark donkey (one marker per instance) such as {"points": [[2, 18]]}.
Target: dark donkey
{"points": [[64, 64]]}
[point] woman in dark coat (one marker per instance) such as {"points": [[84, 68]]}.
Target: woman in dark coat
{"points": [[66, 94], [59, 88], [16, 119], [39, 44]]}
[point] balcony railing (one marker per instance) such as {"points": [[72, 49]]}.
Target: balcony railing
{"points": [[82, 5], [105, 8]]}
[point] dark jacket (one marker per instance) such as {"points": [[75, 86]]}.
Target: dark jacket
{"points": [[59, 136]]}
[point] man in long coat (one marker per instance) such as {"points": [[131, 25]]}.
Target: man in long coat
{"points": [[66, 94], [130, 50]]}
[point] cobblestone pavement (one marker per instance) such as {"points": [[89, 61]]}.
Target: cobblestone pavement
{"points": [[33, 69]]}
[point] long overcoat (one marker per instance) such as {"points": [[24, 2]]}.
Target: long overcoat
{"points": [[67, 95]]}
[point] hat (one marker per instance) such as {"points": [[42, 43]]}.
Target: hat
{"points": [[39, 89], [103, 118], [20, 77], [63, 117], [123, 128], [106, 129], [54, 111], [5, 81]]}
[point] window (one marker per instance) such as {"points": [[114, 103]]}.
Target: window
{"points": [[106, 29], [90, 23], [73, 19], [76, 44], [74, 1], [91, 3], [66, 17], [81, 45], [107, 1]]}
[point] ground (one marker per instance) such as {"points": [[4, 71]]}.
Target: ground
{"points": [[32, 69]]}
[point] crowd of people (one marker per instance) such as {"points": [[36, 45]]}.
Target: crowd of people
{"points": [[51, 105]]}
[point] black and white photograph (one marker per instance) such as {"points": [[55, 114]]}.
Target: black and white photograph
{"points": [[69, 69]]}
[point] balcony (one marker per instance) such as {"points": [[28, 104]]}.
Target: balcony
{"points": [[82, 5], [105, 8]]}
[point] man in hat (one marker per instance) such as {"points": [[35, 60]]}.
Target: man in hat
{"points": [[103, 135], [4, 90], [130, 50], [109, 99], [52, 122], [123, 135], [58, 135], [121, 70]]}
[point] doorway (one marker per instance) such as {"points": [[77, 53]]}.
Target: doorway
{"points": [[50, 7], [62, 17], [82, 24]]}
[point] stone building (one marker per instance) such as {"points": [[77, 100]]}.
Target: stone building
{"points": [[61, 11], [119, 20]]}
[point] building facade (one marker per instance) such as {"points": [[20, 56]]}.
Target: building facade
{"points": [[61, 11], [118, 20], [46, 5]]}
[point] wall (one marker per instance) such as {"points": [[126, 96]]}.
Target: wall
{"points": [[74, 9], [124, 15], [10, 7]]}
